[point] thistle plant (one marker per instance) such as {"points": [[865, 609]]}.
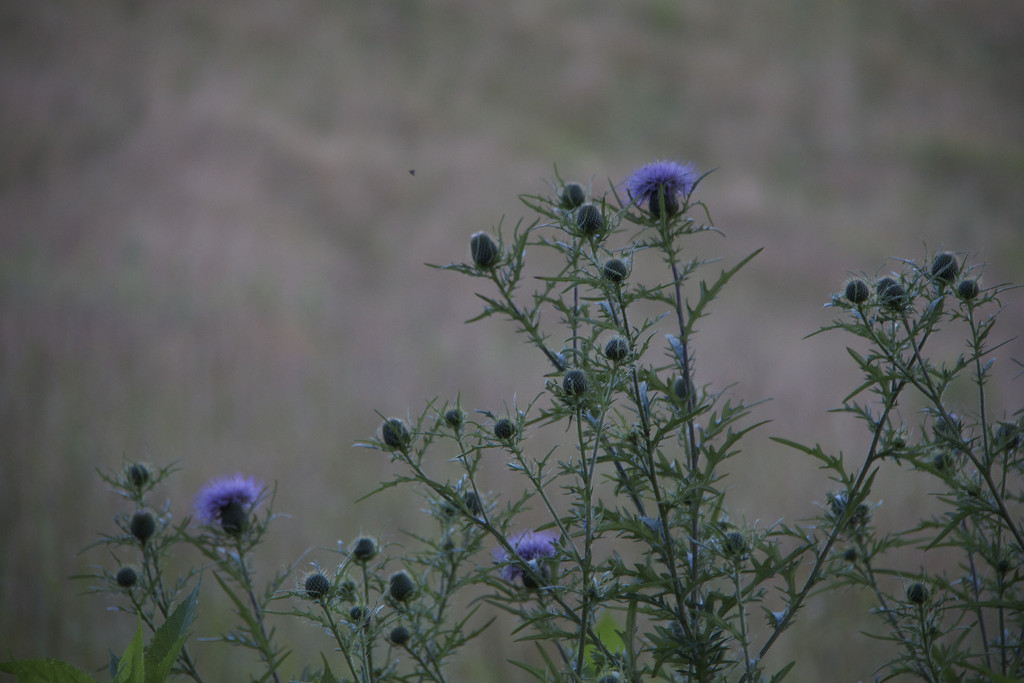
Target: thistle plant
{"points": [[964, 623], [613, 544]]}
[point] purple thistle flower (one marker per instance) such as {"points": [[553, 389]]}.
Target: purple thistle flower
{"points": [[228, 500], [529, 546], [670, 177]]}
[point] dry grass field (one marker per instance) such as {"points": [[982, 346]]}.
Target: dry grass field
{"points": [[212, 247]]}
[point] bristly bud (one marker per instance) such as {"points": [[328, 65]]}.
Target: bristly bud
{"points": [[401, 586], [358, 616], [138, 475], [399, 635], [317, 586], [609, 678], [589, 220], [483, 249], [504, 429], [857, 520], [890, 293], [734, 545], [681, 388], [575, 383], [364, 549], [142, 526], [395, 434], [472, 502], [968, 289], [454, 418], [945, 429], [616, 349], [126, 577], [572, 195], [615, 270], [917, 593], [945, 268], [857, 291]]}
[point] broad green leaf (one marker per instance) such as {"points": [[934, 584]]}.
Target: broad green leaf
{"points": [[45, 671], [131, 668], [168, 640]]}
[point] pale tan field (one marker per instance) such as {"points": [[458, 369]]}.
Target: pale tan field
{"points": [[212, 248]]}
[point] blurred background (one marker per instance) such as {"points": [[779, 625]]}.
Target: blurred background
{"points": [[212, 245]]}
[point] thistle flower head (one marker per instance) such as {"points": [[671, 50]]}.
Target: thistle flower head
{"points": [[530, 546], [668, 179], [228, 500]]}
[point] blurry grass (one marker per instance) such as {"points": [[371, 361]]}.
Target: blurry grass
{"points": [[210, 246]]}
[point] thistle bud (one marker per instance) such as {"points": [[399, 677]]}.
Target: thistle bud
{"points": [[945, 268], [138, 475], [572, 195], [483, 249], [504, 429], [589, 220], [616, 349], [734, 545], [968, 289], [454, 418], [142, 526], [615, 270], [917, 593], [364, 549], [401, 586], [681, 388], [399, 635], [472, 502], [857, 291], [317, 586], [575, 383], [395, 434], [890, 293], [126, 577]]}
